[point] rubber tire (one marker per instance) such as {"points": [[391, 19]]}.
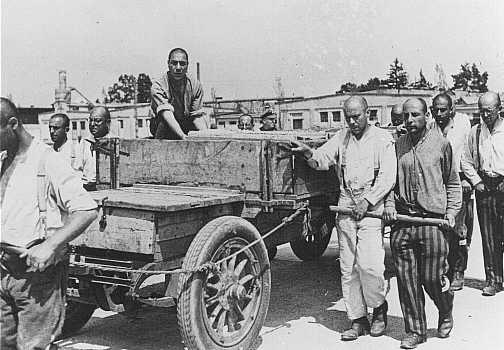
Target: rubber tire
{"points": [[204, 245], [308, 251], [76, 316]]}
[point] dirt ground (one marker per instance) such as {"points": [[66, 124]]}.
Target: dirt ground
{"points": [[306, 312]]}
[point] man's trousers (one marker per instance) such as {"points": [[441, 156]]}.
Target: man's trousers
{"points": [[461, 236], [490, 206], [32, 307], [420, 256], [362, 264]]}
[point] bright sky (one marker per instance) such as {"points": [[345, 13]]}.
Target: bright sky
{"points": [[242, 45]]}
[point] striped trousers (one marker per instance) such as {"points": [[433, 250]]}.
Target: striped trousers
{"points": [[490, 206], [420, 256]]}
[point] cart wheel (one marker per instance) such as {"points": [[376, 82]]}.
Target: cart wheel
{"points": [[313, 246], [76, 316], [225, 308]]}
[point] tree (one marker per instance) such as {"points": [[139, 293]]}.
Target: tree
{"points": [[124, 90], [348, 87], [143, 87], [397, 76], [372, 84], [421, 83], [470, 79]]}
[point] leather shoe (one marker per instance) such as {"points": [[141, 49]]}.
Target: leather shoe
{"points": [[411, 341], [445, 325], [379, 323], [359, 327], [458, 281], [489, 289]]}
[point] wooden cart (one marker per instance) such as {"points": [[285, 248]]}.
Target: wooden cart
{"points": [[189, 211]]}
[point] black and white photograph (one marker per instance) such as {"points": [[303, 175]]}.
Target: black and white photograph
{"points": [[263, 175]]}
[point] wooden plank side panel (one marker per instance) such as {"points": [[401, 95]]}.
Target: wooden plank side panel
{"points": [[176, 230], [217, 163], [126, 230], [292, 175]]}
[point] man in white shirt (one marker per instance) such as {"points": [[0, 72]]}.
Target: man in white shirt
{"points": [[365, 162], [483, 164], [43, 207], [456, 127]]}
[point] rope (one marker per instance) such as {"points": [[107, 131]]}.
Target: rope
{"points": [[206, 267]]}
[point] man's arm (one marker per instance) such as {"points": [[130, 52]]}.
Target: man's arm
{"points": [[452, 184], [42, 255], [160, 103], [468, 161], [66, 190], [321, 158]]}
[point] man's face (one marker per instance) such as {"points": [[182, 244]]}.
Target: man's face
{"points": [[57, 130], [269, 123], [396, 118], [489, 112], [357, 119], [442, 112], [414, 118], [9, 141], [245, 123], [177, 65], [98, 125]]}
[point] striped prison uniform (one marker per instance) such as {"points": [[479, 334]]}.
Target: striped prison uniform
{"points": [[483, 161], [427, 185]]}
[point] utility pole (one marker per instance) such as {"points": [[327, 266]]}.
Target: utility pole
{"points": [[135, 112]]}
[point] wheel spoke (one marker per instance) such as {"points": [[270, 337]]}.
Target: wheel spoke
{"points": [[214, 313], [211, 301], [221, 321], [246, 279], [212, 286], [240, 267], [232, 263]]}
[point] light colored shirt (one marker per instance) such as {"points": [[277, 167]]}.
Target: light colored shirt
{"points": [[356, 164], [490, 158], [19, 196], [457, 132]]}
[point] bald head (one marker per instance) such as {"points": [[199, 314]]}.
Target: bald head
{"points": [[99, 121], [355, 102], [7, 110], [415, 103], [489, 105], [396, 116], [491, 99], [444, 98]]}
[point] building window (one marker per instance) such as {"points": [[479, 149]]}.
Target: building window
{"points": [[74, 125], [232, 122], [298, 123], [121, 123], [83, 125], [336, 116], [373, 114], [324, 117], [140, 123], [296, 115], [222, 124]]}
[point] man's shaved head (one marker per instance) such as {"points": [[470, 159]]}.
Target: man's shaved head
{"points": [[490, 98], [489, 105], [417, 102], [101, 111], [8, 110], [444, 97], [355, 102], [396, 116]]}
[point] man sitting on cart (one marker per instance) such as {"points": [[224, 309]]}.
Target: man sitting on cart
{"points": [[177, 100]]}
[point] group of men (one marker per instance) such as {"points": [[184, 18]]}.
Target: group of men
{"points": [[429, 174]]}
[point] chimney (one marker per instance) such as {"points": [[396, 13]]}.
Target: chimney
{"points": [[62, 95]]}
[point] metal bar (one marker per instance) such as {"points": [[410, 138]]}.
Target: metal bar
{"points": [[400, 217]]}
